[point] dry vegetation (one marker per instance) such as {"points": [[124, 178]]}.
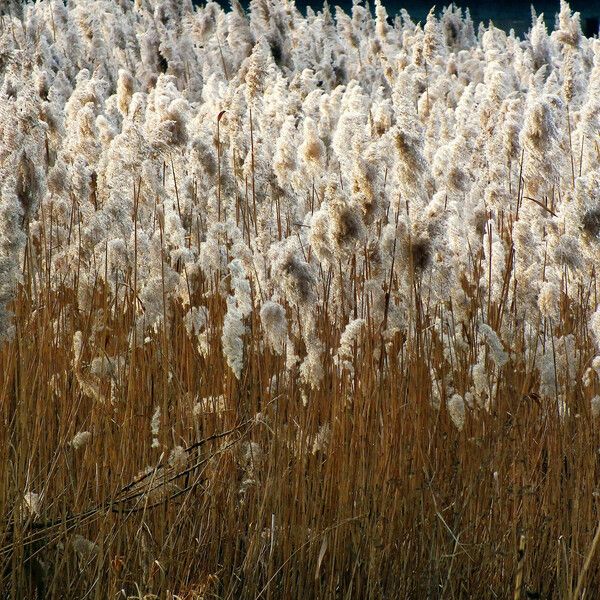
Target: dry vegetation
{"points": [[297, 307]]}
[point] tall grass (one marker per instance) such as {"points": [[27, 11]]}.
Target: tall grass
{"points": [[360, 488], [282, 341]]}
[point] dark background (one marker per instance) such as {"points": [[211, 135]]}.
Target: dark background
{"points": [[505, 14]]}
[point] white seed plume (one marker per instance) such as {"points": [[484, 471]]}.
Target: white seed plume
{"points": [[155, 427], [456, 410], [595, 406], [232, 338], [178, 458], [274, 322], [303, 168], [498, 353], [81, 439], [347, 340]]}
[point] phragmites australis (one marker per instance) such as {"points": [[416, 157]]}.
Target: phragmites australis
{"points": [[324, 255], [590, 223], [456, 410], [295, 277], [346, 226], [274, 322], [125, 90], [233, 337]]}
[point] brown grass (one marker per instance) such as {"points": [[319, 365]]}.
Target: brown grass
{"points": [[399, 503]]}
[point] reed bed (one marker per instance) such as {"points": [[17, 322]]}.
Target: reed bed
{"points": [[281, 324]]}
